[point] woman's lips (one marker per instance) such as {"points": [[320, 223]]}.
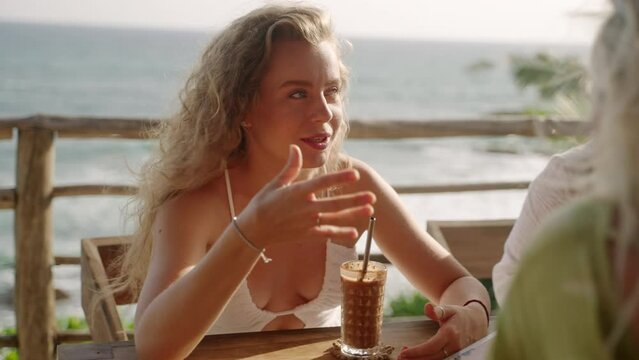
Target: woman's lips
{"points": [[317, 142]]}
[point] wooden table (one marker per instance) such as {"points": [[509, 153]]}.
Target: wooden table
{"points": [[285, 344]]}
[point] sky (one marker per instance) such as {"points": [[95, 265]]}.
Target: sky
{"points": [[540, 21]]}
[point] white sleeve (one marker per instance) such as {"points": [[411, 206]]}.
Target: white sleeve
{"points": [[546, 192]]}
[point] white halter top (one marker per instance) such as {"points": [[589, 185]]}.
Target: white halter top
{"points": [[242, 315]]}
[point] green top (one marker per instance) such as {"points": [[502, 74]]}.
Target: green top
{"points": [[562, 303]]}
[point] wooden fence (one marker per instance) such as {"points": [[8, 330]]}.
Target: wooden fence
{"points": [[32, 197]]}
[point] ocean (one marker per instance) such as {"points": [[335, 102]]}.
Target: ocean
{"points": [[66, 70]]}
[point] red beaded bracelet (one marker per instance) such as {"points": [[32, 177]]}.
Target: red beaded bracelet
{"points": [[483, 306]]}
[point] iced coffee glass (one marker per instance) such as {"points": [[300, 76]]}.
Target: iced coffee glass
{"points": [[362, 307]]}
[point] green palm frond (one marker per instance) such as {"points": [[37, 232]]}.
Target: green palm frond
{"points": [[551, 76]]}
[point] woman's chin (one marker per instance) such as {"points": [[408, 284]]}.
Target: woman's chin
{"points": [[313, 162]]}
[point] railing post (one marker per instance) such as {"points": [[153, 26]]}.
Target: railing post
{"points": [[34, 294]]}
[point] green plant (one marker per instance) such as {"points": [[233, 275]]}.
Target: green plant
{"points": [[488, 284], [72, 323], [408, 305], [535, 111], [550, 75], [413, 304], [562, 80], [9, 354], [129, 325], [10, 330]]}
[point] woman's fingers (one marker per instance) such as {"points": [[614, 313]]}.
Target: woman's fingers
{"points": [[341, 225], [342, 202], [434, 348], [335, 232], [348, 217], [328, 180], [439, 313], [444, 343], [292, 168], [283, 194]]}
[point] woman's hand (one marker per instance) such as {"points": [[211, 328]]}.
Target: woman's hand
{"points": [[459, 326], [284, 210]]}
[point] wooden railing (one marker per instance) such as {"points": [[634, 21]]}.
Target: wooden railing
{"points": [[32, 197]]}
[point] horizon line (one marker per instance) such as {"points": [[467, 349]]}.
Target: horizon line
{"points": [[204, 29]]}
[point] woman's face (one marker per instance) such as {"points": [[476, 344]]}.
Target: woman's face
{"points": [[298, 103]]}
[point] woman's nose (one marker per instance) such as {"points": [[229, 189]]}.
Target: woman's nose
{"points": [[321, 110]]}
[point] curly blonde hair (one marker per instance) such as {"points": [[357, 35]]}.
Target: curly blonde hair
{"points": [[197, 143], [615, 70]]}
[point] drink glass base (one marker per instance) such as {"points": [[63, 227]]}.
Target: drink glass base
{"points": [[345, 352]]}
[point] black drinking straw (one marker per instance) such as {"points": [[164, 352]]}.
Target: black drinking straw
{"points": [[367, 251]]}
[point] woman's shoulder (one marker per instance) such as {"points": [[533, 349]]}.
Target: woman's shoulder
{"points": [[194, 199], [365, 170], [196, 209], [369, 178]]}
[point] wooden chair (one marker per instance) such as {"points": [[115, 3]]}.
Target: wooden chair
{"points": [[477, 244], [98, 303]]}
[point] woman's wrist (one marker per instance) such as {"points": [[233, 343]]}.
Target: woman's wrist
{"points": [[249, 240], [480, 308], [250, 228]]}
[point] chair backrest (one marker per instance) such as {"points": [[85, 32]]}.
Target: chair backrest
{"points": [[477, 244], [98, 302]]}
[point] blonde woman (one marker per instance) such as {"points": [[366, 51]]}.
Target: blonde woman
{"points": [[251, 168], [576, 295]]}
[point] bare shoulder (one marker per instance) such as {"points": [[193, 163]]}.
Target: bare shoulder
{"points": [[366, 172], [369, 178], [193, 216]]}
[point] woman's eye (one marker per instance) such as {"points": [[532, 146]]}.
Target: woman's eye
{"points": [[332, 91], [298, 94]]}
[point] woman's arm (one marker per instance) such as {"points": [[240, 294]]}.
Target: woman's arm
{"points": [[186, 287], [425, 262], [428, 266]]}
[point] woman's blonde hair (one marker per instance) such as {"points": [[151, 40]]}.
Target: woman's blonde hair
{"points": [[615, 70], [197, 143]]}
